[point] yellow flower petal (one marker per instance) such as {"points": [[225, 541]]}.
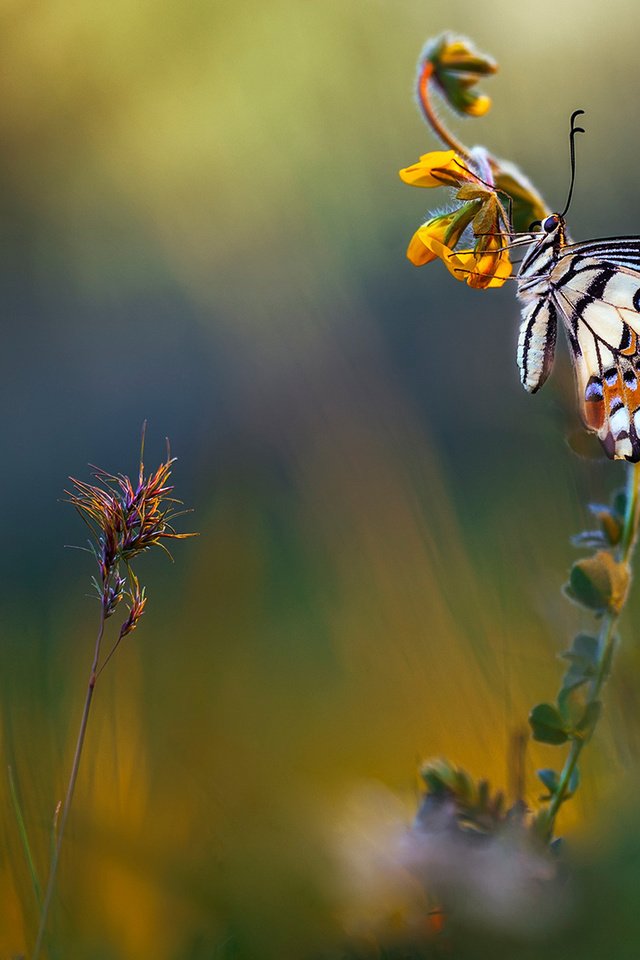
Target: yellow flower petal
{"points": [[459, 54], [448, 257], [419, 252], [436, 169], [478, 106], [440, 234], [431, 238]]}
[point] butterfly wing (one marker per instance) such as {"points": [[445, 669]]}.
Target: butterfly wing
{"points": [[614, 251], [537, 342], [539, 324], [596, 290]]}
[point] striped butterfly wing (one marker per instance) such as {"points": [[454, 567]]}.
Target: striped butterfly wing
{"points": [[537, 342], [539, 326], [593, 288], [598, 296]]}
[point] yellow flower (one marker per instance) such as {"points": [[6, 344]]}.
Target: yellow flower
{"points": [[484, 186], [487, 264]]}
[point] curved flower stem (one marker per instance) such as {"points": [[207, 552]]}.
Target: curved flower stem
{"points": [[70, 791], [434, 122], [606, 642]]}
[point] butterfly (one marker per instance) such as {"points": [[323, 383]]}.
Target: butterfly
{"points": [[593, 290]]}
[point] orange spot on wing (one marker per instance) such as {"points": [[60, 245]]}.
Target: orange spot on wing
{"points": [[633, 346], [594, 412]]}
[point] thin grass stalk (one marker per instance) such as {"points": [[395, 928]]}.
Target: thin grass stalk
{"points": [[64, 816], [24, 837]]}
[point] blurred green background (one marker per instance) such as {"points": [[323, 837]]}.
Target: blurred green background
{"points": [[201, 224]]}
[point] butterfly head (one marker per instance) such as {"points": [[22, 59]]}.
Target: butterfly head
{"points": [[548, 225], [549, 233], [552, 223], [547, 238]]}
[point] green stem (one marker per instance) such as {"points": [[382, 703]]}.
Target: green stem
{"points": [[53, 871], [24, 837], [606, 641]]}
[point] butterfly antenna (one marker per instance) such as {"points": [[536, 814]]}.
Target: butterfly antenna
{"points": [[572, 144]]}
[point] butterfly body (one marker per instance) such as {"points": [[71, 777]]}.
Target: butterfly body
{"points": [[593, 290]]}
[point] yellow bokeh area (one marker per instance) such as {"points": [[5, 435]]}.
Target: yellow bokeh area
{"points": [[202, 225]]}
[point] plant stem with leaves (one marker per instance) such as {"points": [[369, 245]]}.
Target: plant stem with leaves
{"points": [[599, 583], [492, 202]]}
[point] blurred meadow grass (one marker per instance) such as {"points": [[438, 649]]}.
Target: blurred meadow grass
{"points": [[201, 223]]}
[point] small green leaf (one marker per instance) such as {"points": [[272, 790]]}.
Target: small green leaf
{"points": [[598, 583], [583, 661], [584, 649], [547, 725], [575, 677], [586, 588], [549, 778]]}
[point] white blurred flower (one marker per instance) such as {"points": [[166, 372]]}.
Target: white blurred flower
{"points": [[396, 877], [500, 879]]}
